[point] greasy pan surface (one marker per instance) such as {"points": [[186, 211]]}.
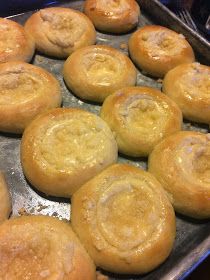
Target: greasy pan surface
{"points": [[192, 241]]}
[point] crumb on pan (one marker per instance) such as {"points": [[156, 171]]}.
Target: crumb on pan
{"points": [[159, 80], [54, 214], [188, 126], [63, 219], [32, 210], [101, 276], [39, 59], [22, 212], [144, 72], [123, 46], [41, 207]]}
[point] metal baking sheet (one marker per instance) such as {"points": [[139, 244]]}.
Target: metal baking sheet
{"points": [[192, 240]]}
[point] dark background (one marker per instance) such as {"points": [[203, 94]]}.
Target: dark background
{"points": [[11, 7]]}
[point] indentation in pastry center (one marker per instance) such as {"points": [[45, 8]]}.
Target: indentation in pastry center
{"points": [[19, 86], [62, 29], [102, 68], [194, 159], [126, 214], [195, 82], [68, 144], [143, 112], [161, 43]]}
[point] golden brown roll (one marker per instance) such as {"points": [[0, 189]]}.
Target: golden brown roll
{"points": [[15, 42], [157, 49], [41, 247], [95, 72], [64, 148], [25, 91], [116, 16], [140, 117], [181, 163], [60, 31], [124, 220], [189, 86], [5, 201]]}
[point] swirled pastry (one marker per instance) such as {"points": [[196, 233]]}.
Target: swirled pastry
{"points": [[60, 31], [140, 117], [95, 72], [181, 163], [41, 247], [189, 86], [15, 42], [157, 49], [116, 16], [5, 201], [25, 91], [64, 148], [124, 219]]}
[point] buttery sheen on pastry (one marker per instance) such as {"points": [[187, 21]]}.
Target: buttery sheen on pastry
{"points": [[64, 148], [116, 16], [140, 117], [94, 72], [60, 31], [124, 220], [157, 49], [181, 163], [5, 201], [15, 42], [42, 248], [25, 91], [189, 86]]}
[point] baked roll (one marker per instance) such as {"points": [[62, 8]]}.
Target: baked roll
{"points": [[15, 42], [140, 117], [181, 164], [95, 72], [25, 91], [5, 200], [41, 247], [64, 148], [157, 49], [189, 86], [124, 220], [60, 31], [113, 16]]}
